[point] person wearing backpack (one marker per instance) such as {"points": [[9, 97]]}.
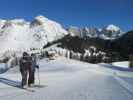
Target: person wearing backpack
{"points": [[25, 64]]}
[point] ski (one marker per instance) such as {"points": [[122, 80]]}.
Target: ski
{"points": [[28, 89]]}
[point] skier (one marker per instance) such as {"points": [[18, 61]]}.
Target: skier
{"points": [[25, 69]]}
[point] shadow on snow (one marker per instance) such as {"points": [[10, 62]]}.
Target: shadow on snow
{"points": [[117, 68], [10, 82]]}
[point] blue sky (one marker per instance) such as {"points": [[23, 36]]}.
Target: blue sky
{"points": [[80, 13]]}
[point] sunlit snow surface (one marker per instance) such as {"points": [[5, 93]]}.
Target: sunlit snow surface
{"points": [[65, 79], [124, 64]]}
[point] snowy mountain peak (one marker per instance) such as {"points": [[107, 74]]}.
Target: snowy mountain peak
{"points": [[74, 31], [2, 22], [41, 18], [12, 23], [111, 32], [84, 32], [20, 34], [112, 27], [90, 32], [19, 21]]}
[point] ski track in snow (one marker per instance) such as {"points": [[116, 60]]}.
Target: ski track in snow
{"points": [[68, 80]]}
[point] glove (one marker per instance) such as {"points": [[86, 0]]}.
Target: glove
{"points": [[37, 66]]}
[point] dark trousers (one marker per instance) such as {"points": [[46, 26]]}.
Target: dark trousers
{"points": [[31, 78], [24, 74]]}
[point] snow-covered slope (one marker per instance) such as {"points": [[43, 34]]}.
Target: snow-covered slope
{"points": [[64, 79], [20, 34], [124, 64]]}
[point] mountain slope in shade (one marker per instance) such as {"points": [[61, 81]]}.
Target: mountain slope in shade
{"points": [[20, 34]]}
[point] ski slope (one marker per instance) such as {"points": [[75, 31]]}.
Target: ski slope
{"points": [[65, 79], [124, 64]]}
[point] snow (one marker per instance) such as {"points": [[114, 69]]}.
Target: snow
{"points": [[20, 34], [74, 31], [2, 66], [91, 32], [110, 32], [124, 64], [83, 32], [112, 27], [65, 79], [2, 22]]}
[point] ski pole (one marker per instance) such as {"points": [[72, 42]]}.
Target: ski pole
{"points": [[38, 76]]}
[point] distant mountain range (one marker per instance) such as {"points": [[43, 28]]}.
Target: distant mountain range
{"points": [[19, 34], [107, 32]]}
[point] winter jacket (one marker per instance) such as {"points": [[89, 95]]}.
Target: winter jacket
{"points": [[25, 63]]}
